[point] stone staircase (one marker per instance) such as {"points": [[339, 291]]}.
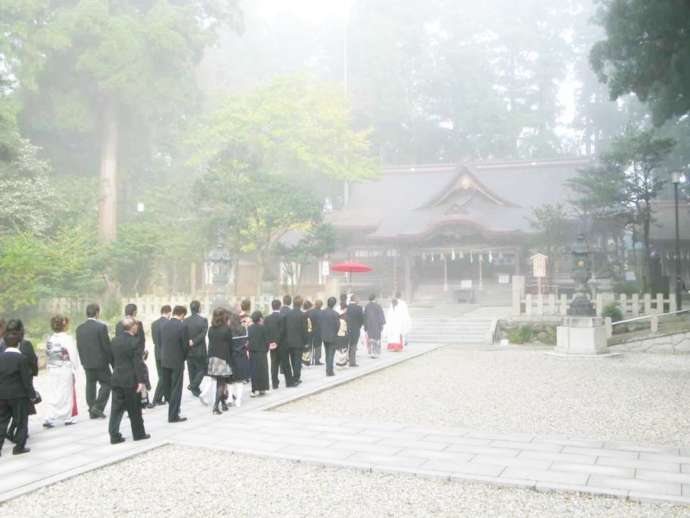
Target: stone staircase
{"points": [[439, 327]]}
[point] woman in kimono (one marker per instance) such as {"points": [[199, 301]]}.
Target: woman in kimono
{"points": [[220, 356], [397, 326], [62, 363], [241, 369]]}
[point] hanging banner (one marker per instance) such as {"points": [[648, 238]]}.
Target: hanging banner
{"points": [[539, 262]]}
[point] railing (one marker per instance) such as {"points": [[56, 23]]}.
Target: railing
{"points": [[637, 324]]}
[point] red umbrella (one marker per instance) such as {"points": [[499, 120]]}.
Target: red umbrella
{"points": [[350, 267]]}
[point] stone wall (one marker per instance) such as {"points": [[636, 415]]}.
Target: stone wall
{"points": [[678, 343]]}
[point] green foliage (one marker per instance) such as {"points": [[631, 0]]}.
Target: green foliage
{"points": [[521, 335], [552, 225], [64, 264], [612, 311], [646, 51], [291, 127]]}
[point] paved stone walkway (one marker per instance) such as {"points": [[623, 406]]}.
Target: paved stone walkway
{"points": [[560, 463]]}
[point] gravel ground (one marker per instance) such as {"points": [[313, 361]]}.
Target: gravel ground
{"points": [[637, 397], [198, 482]]}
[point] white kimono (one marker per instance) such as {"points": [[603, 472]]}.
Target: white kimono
{"points": [[397, 326], [62, 363]]}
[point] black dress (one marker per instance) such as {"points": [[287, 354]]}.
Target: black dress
{"points": [[241, 370], [220, 352], [258, 350]]}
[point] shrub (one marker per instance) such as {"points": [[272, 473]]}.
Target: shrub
{"points": [[521, 335], [613, 312]]}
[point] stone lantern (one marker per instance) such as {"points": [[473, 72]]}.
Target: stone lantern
{"points": [[581, 305], [220, 262]]}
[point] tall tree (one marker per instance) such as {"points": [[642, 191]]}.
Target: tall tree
{"points": [[630, 175], [107, 74], [647, 52]]}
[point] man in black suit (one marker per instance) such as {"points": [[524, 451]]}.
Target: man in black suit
{"points": [[273, 325], [128, 382], [93, 344], [174, 348], [16, 393], [196, 328], [355, 320], [316, 338], [156, 328], [330, 324], [284, 353], [295, 340], [131, 311]]}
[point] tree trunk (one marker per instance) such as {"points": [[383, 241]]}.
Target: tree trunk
{"points": [[107, 223], [647, 263], [259, 274]]}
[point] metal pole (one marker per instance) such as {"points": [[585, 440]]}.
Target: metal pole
{"points": [[678, 280]]}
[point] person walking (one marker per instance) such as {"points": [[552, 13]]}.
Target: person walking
{"points": [[174, 348], [156, 329], [258, 351], [273, 326], [220, 356], [317, 339], [16, 393], [128, 382], [241, 369], [396, 326], [330, 325], [62, 361], [93, 345], [355, 320], [404, 311], [196, 328], [131, 311], [295, 339], [374, 320], [285, 363]]}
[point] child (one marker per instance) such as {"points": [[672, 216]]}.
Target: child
{"points": [[258, 351]]}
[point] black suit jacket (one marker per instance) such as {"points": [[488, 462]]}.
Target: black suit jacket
{"points": [[273, 326], [330, 324], [258, 343], [295, 329], [140, 336], [196, 328], [129, 368], [156, 328], [93, 344], [16, 379], [315, 317], [174, 344], [354, 318]]}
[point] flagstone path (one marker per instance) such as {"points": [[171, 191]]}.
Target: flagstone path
{"points": [[559, 463]]}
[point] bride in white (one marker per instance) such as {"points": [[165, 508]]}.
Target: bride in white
{"points": [[62, 363]]}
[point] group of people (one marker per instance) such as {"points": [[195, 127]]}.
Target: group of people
{"points": [[233, 351]]}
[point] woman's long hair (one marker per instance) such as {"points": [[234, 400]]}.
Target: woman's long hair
{"points": [[219, 318]]}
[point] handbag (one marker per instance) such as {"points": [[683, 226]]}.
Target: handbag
{"points": [[208, 387]]}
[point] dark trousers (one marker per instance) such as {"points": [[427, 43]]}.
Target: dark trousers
{"points": [[275, 367], [17, 411], [159, 395], [316, 344], [172, 381], [352, 341], [286, 365], [296, 362], [130, 400], [330, 356], [196, 367], [102, 377]]}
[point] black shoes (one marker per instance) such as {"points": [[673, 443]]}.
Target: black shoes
{"points": [[20, 451], [117, 439], [178, 419], [142, 438], [96, 415], [48, 425], [217, 412]]}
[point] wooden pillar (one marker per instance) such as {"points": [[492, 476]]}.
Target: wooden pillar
{"points": [[407, 269]]}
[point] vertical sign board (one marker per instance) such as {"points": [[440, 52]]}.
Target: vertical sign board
{"points": [[539, 262]]}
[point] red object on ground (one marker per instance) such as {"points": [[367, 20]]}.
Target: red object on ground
{"points": [[350, 267]]}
